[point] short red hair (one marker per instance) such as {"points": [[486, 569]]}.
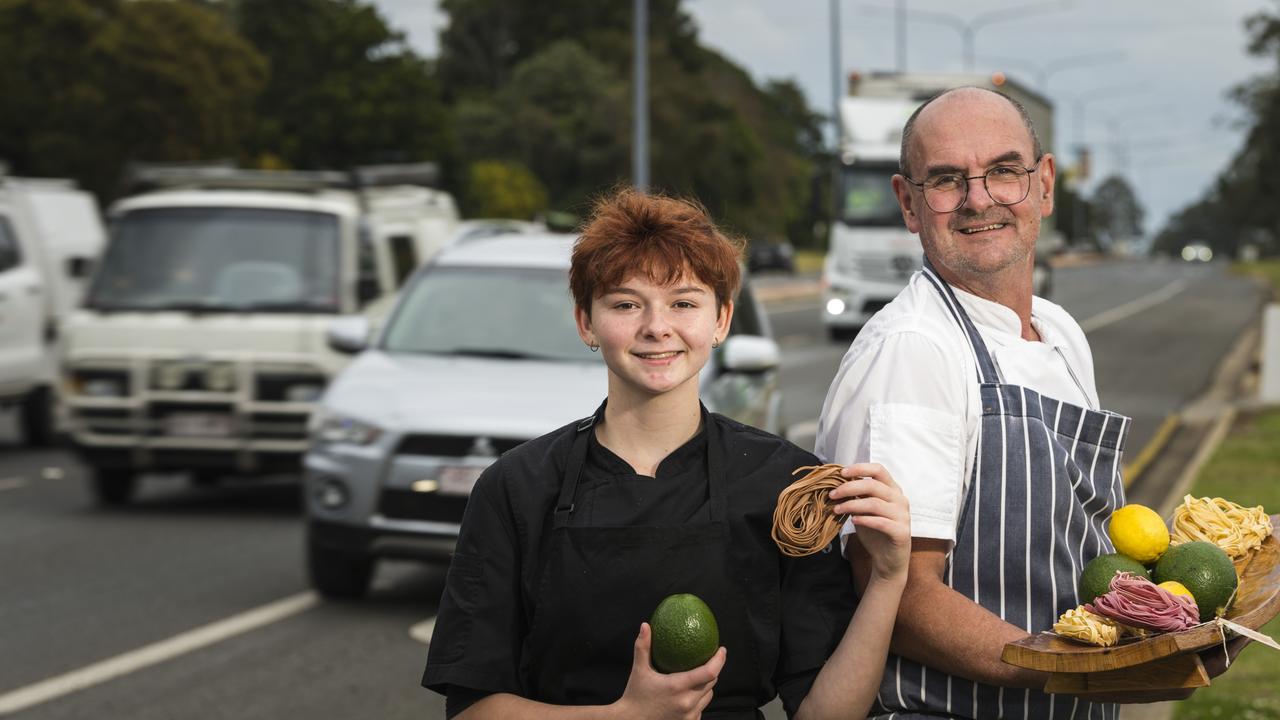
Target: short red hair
{"points": [[661, 238]]}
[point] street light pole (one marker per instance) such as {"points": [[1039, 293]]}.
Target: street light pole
{"points": [[901, 44], [837, 91], [640, 95], [968, 28]]}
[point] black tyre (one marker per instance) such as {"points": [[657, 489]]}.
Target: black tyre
{"points": [[113, 486], [37, 418], [338, 574]]}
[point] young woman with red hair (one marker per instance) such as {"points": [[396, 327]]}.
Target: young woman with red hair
{"points": [[571, 540]]}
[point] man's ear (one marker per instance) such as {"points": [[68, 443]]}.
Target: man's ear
{"points": [[907, 202], [1048, 173]]}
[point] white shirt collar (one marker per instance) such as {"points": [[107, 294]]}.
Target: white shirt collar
{"points": [[1002, 322]]}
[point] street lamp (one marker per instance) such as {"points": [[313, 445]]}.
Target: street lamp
{"points": [[1043, 73], [968, 28]]}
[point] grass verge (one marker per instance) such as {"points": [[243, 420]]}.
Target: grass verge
{"points": [[809, 261], [1266, 270], [1245, 469]]}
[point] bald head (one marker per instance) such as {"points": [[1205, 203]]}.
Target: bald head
{"points": [[953, 100]]}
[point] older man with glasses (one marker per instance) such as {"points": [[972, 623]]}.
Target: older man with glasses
{"points": [[980, 399]]}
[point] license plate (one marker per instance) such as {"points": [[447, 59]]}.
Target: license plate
{"points": [[458, 479], [198, 424]]}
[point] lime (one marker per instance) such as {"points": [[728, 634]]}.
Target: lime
{"points": [[685, 634], [1205, 570], [1096, 577], [1138, 531]]}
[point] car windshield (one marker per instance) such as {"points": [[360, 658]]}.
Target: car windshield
{"points": [[867, 197], [220, 259], [517, 313]]}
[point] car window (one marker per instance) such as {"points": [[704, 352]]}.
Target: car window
{"points": [[404, 257], [10, 255], [487, 311]]}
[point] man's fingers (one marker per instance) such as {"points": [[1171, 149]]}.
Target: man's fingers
{"points": [[870, 506], [869, 470], [864, 487]]}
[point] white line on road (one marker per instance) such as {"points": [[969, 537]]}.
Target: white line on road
{"points": [[423, 631], [12, 483], [158, 652], [1133, 307]]}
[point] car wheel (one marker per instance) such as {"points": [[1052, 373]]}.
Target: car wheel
{"points": [[113, 486], [37, 418], [338, 574]]}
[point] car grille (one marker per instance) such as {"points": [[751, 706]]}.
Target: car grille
{"points": [[456, 445], [410, 505]]}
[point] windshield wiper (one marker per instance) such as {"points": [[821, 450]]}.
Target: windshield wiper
{"points": [[495, 353], [283, 306]]}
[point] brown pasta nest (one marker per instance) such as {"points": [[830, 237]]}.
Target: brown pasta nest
{"points": [[803, 522]]}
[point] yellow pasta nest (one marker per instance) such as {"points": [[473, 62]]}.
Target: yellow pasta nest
{"points": [[1080, 624], [1235, 529]]}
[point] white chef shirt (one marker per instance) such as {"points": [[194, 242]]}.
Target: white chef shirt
{"points": [[906, 394]]}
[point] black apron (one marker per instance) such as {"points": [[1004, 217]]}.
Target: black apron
{"points": [[599, 583]]}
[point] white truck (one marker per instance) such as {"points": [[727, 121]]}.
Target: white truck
{"points": [[871, 254], [50, 234], [201, 346]]}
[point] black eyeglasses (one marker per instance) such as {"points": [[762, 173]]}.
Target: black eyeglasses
{"points": [[1005, 184]]}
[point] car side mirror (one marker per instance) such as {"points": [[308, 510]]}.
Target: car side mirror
{"points": [[79, 267], [749, 354], [348, 335]]}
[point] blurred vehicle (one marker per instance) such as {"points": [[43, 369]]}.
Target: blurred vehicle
{"points": [[201, 344], [871, 255], [765, 255], [480, 354], [482, 228], [1197, 252], [50, 235]]}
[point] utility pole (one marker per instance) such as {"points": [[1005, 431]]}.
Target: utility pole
{"points": [[901, 44], [640, 95], [837, 91]]}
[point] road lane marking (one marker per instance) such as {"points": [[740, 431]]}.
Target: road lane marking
{"points": [[158, 652], [12, 483], [1133, 307], [423, 631]]}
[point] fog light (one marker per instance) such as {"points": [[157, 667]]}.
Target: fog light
{"points": [[835, 306], [303, 392], [332, 493], [425, 485]]}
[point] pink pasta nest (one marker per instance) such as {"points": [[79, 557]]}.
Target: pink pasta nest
{"points": [[1138, 602]]}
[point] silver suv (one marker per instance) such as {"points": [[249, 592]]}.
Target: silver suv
{"points": [[479, 355]]}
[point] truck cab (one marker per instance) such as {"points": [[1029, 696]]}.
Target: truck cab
{"points": [[871, 254], [200, 346]]}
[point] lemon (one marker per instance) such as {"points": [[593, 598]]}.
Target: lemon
{"points": [[685, 634], [1138, 532], [1177, 588]]}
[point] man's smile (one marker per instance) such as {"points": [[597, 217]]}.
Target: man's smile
{"points": [[981, 228]]}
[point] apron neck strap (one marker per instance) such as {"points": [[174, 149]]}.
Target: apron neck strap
{"points": [[578, 455], [987, 372]]}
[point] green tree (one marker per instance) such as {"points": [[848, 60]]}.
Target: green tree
{"points": [[90, 85], [504, 190], [1119, 214], [550, 87], [344, 87]]}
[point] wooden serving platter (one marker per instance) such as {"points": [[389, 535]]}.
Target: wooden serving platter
{"points": [[1257, 602]]}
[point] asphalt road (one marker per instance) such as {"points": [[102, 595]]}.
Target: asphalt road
{"points": [[193, 603]]}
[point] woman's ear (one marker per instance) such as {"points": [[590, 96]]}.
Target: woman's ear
{"points": [[723, 322], [583, 321]]}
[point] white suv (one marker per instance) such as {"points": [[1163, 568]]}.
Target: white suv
{"points": [[480, 354]]}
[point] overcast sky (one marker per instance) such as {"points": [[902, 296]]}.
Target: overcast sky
{"points": [[1156, 112]]}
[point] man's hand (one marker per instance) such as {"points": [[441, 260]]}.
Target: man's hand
{"points": [[653, 695], [872, 500]]}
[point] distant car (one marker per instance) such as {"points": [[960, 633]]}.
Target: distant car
{"points": [[1197, 252], [763, 255], [480, 354], [484, 228]]}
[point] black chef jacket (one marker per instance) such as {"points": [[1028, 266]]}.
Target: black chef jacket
{"points": [[492, 583]]}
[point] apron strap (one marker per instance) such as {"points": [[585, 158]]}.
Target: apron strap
{"points": [[578, 454], [987, 371]]}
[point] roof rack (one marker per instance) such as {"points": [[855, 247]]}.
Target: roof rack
{"points": [[224, 176]]}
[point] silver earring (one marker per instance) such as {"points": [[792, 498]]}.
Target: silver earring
{"points": [[594, 348], [715, 343]]}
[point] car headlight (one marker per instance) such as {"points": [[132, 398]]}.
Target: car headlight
{"points": [[331, 428], [102, 387], [97, 383]]}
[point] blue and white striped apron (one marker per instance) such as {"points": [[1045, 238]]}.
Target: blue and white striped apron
{"points": [[1046, 477]]}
